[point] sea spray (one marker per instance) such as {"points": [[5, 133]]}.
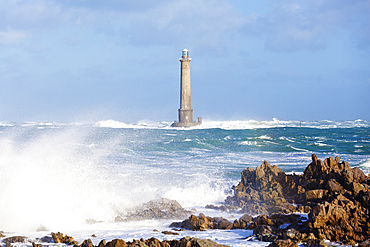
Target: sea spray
{"points": [[50, 179]]}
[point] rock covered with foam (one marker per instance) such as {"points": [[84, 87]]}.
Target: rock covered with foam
{"points": [[156, 209]]}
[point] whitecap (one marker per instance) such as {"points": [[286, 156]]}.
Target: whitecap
{"points": [[298, 149], [321, 144], [264, 137], [248, 143], [234, 124], [112, 124], [286, 139]]}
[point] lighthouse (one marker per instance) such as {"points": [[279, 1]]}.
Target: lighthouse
{"points": [[185, 111]]}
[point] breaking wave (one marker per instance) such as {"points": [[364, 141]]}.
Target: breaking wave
{"points": [[238, 124]]}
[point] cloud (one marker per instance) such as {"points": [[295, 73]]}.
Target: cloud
{"points": [[12, 37], [300, 25], [198, 23], [29, 14]]}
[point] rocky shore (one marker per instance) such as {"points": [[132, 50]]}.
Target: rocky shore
{"points": [[335, 196], [60, 238], [329, 201]]}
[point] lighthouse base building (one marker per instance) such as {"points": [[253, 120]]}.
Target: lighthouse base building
{"points": [[185, 111]]}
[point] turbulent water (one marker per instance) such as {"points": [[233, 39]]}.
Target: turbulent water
{"points": [[58, 175]]}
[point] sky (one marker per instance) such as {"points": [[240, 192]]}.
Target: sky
{"points": [[90, 60]]}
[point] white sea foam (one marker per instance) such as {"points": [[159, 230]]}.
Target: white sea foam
{"points": [[239, 124], [138, 125], [286, 139], [264, 137], [48, 181], [321, 144], [365, 166], [209, 124], [298, 149], [112, 124], [195, 196], [248, 143]]}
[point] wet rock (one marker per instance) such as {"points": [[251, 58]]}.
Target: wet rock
{"points": [[359, 176], [14, 239], [102, 243], [283, 243], [336, 196], [244, 220], [60, 238], [196, 223], [116, 243], [340, 220], [87, 243], [262, 230], [153, 242], [266, 190], [170, 233], [333, 186], [46, 239], [315, 195], [196, 242], [156, 209], [365, 243], [202, 223], [315, 243], [36, 245], [294, 235]]}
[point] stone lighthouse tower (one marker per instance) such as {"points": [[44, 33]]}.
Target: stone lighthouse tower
{"points": [[185, 111]]}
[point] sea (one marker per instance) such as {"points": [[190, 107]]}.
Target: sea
{"points": [[64, 176]]}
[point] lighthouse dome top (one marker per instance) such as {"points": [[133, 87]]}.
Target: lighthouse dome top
{"points": [[185, 53]]}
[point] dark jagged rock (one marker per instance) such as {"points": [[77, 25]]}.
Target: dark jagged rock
{"points": [[283, 243], [170, 233], [202, 222], [265, 228], [64, 239], [87, 243], [336, 196], [36, 245], [102, 243], [153, 242], [46, 239], [194, 242], [262, 191], [116, 243], [14, 239], [315, 243], [157, 209], [365, 243]]}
